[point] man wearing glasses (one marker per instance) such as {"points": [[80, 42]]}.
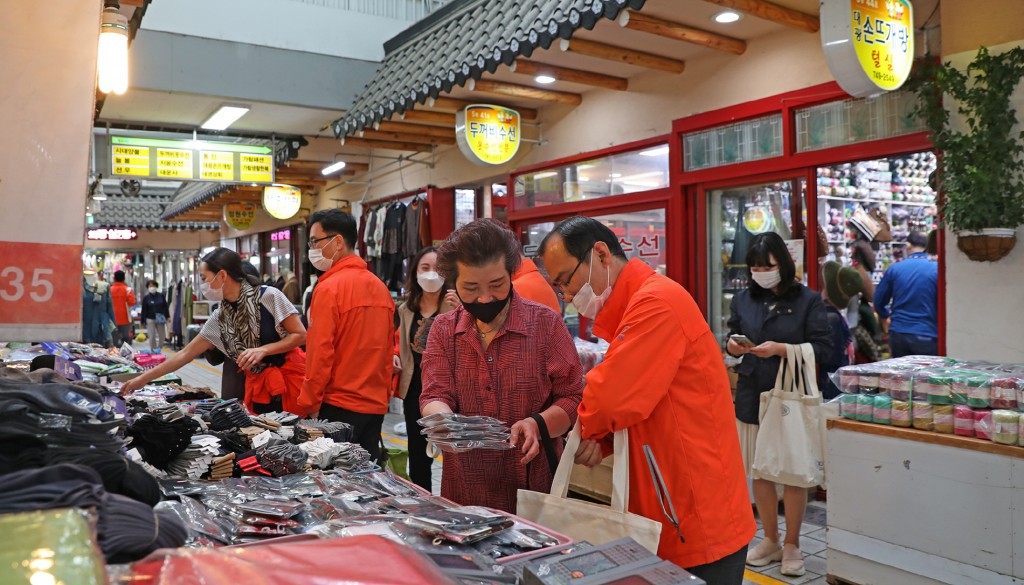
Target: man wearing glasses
{"points": [[663, 379], [349, 343]]}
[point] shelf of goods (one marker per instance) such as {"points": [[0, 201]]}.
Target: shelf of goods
{"points": [[925, 488], [897, 186]]}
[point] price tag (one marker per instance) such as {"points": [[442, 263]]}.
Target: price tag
{"points": [[40, 291]]}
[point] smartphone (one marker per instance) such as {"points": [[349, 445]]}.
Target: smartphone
{"points": [[742, 340]]}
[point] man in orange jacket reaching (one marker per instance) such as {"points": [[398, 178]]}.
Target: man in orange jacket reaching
{"points": [[349, 343], [662, 379]]}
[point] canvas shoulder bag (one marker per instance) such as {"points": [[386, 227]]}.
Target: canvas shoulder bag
{"points": [[581, 520]]}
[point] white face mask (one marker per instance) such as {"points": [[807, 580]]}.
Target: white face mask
{"points": [[152, 290], [430, 281], [210, 293], [585, 301], [319, 261], [768, 280]]}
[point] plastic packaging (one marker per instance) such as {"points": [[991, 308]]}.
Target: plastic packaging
{"points": [[1007, 390], [52, 546], [882, 409], [897, 384], [848, 406], [865, 408], [923, 415], [983, 424], [943, 418], [447, 417]]}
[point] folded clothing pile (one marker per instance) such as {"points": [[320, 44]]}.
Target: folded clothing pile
{"points": [[312, 429], [456, 433]]}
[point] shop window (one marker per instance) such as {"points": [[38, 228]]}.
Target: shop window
{"points": [[620, 174], [641, 235], [735, 216], [741, 142], [856, 120], [465, 207], [896, 186]]}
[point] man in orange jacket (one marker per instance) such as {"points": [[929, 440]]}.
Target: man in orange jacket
{"points": [[531, 284], [663, 379], [349, 343], [123, 299]]}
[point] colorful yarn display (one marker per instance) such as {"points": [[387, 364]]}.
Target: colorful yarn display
{"points": [[898, 384], [983, 424], [939, 389], [848, 406], [865, 408], [882, 411], [923, 414]]}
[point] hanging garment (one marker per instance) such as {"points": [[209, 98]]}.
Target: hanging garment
{"points": [[371, 230], [394, 234], [411, 244], [425, 237], [97, 313]]}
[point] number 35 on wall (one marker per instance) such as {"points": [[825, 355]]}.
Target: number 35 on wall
{"points": [[40, 284]]}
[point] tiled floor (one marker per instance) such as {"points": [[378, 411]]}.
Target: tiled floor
{"points": [[812, 543]]}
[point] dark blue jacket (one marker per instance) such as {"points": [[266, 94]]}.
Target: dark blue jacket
{"points": [[154, 304], [797, 318], [912, 286]]}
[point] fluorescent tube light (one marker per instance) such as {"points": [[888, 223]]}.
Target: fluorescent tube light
{"points": [[227, 115]]}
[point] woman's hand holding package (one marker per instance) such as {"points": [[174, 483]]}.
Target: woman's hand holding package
{"points": [[526, 436], [769, 349]]}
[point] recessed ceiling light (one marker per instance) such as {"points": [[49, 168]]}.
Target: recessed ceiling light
{"points": [[225, 116], [727, 16], [544, 79]]}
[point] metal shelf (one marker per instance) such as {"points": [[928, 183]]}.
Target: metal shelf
{"points": [[891, 201]]}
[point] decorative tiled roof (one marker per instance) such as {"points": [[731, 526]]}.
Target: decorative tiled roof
{"points": [[141, 213], [462, 41]]}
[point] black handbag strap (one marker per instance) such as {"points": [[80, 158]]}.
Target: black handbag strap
{"points": [[546, 442]]}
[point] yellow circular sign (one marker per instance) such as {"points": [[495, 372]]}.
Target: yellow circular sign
{"points": [[240, 216], [488, 134], [868, 44], [758, 220], [282, 201]]}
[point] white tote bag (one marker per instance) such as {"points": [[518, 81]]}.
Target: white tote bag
{"points": [[581, 520], [790, 445]]}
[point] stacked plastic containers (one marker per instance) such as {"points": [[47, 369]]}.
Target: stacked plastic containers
{"points": [[971, 399]]}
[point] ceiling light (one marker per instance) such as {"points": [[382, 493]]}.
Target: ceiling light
{"points": [[333, 168], [616, 175], [544, 79], [656, 151], [112, 58], [727, 17], [227, 115], [98, 194]]}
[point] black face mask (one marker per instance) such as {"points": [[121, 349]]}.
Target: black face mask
{"points": [[487, 312]]}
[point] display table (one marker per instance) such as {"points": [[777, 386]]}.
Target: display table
{"points": [[916, 507]]}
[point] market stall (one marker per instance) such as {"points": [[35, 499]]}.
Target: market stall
{"points": [[924, 469]]}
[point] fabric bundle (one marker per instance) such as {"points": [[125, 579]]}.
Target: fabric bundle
{"points": [[119, 475], [160, 442], [901, 413], [882, 410], [321, 452], [229, 414], [128, 529], [312, 429], [943, 418], [196, 460], [923, 415], [983, 424], [865, 408], [283, 459]]}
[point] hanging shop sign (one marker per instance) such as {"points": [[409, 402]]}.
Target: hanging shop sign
{"points": [[159, 158], [240, 216], [758, 220], [119, 234], [868, 44], [488, 135], [281, 236], [282, 201]]}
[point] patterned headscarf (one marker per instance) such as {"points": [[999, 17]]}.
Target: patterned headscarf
{"points": [[240, 324]]}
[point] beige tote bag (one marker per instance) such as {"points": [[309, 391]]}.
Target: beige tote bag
{"points": [[790, 446], [581, 520]]}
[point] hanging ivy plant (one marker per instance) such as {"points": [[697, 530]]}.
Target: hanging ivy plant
{"points": [[981, 169]]}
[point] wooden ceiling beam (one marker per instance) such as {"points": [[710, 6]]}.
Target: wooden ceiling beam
{"points": [[524, 92], [385, 144], [534, 68], [313, 165], [409, 128], [773, 12], [454, 105], [407, 137], [622, 55], [680, 32], [428, 117]]}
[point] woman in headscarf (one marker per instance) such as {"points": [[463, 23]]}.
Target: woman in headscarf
{"points": [[255, 325]]}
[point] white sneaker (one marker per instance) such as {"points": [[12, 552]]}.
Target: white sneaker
{"points": [[792, 561], [765, 553]]}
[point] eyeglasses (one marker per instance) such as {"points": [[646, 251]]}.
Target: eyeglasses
{"points": [[314, 241], [561, 286]]}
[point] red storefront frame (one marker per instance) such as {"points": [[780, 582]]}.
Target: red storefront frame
{"points": [[661, 198], [692, 187]]}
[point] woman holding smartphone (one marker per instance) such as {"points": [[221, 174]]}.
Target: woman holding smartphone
{"points": [[776, 310]]}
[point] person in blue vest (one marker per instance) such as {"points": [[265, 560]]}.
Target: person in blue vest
{"points": [[907, 297]]}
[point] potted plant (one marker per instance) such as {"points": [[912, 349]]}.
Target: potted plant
{"points": [[981, 161]]}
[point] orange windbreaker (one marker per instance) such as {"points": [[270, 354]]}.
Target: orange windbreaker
{"points": [[350, 341], [531, 284], [123, 298], [663, 379]]}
